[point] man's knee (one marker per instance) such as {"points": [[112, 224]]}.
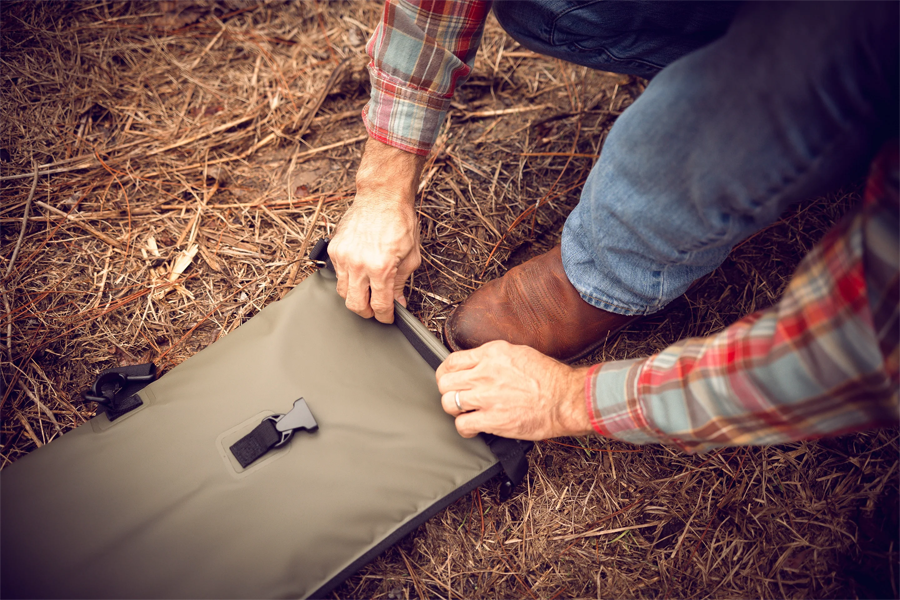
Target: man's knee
{"points": [[636, 38], [529, 22]]}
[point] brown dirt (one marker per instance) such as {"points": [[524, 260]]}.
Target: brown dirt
{"points": [[156, 128]]}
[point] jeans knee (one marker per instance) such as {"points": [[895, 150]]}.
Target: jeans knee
{"points": [[555, 23], [529, 23], [636, 38]]}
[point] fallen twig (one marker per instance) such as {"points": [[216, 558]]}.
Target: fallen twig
{"points": [[604, 531], [15, 253], [97, 234], [301, 253]]}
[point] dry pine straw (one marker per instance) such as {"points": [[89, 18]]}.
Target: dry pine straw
{"points": [[187, 153]]}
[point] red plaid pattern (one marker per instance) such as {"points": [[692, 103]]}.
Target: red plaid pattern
{"points": [[421, 51], [823, 361]]}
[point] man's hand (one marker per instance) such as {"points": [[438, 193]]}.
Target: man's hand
{"points": [[376, 246], [514, 392]]}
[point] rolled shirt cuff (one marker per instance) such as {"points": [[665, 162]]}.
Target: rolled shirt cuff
{"points": [[401, 116], [613, 405]]}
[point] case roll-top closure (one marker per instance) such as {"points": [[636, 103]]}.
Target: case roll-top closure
{"points": [[510, 453]]}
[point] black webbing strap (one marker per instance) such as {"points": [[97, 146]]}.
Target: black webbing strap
{"points": [[263, 438], [126, 405], [511, 453], [273, 432], [512, 456]]}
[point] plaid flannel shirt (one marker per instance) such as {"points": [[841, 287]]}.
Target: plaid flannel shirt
{"points": [[823, 361], [421, 51]]}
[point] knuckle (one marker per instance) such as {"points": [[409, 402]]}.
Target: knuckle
{"points": [[381, 305], [445, 384], [354, 304], [354, 263], [383, 269], [452, 362], [335, 248], [491, 348]]}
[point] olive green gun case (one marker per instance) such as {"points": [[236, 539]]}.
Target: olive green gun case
{"points": [[216, 480]]}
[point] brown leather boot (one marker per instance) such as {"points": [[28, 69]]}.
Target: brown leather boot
{"points": [[534, 305]]}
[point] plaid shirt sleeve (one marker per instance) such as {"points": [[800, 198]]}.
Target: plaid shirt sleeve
{"points": [[421, 51], [823, 361]]}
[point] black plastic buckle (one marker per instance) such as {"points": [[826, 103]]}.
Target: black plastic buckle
{"points": [[273, 432], [513, 455], [506, 489], [298, 417], [115, 390]]}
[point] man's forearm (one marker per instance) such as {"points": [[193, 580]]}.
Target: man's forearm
{"points": [[388, 174]]}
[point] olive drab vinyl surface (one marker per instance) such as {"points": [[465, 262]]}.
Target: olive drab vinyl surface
{"points": [[155, 505]]}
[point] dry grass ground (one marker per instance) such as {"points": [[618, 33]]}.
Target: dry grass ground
{"points": [[186, 154]]}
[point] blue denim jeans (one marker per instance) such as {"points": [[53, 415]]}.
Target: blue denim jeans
{"points": [[750, 108]]}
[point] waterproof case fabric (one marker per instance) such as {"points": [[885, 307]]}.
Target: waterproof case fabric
{"points": [[154, 505]]}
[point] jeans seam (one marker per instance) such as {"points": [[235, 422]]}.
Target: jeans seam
{"points": [[615, 58], [627, 311]]}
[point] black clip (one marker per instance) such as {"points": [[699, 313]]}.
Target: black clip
{"points": [[115, 390], [298, 417], [319, 254], [506, 489], [273, 432], [513, 455]]}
